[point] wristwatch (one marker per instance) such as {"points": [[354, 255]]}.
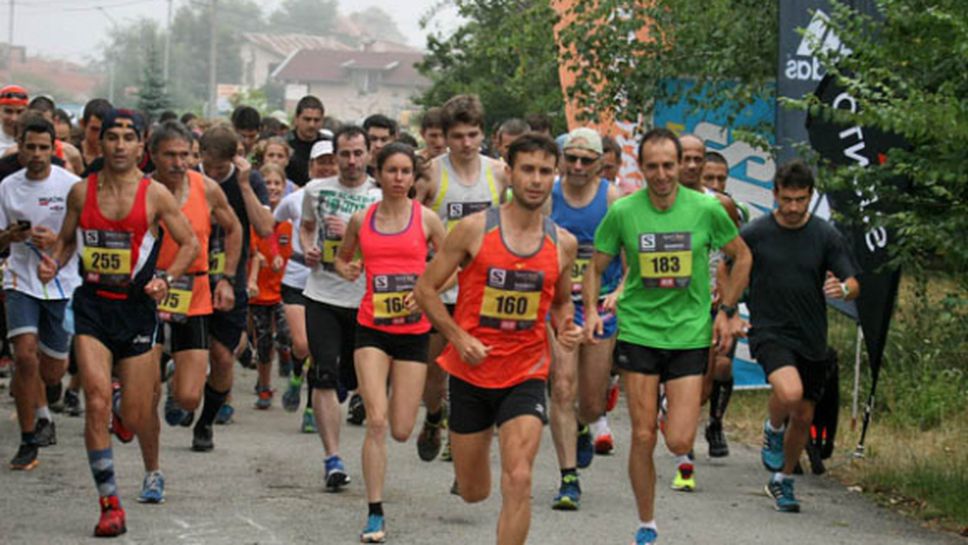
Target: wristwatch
{"points": [[844, 289], [730, 311], [230, 278], [161, 275]]}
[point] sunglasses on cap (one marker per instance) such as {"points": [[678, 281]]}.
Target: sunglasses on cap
{"points": [[580, 159], [13, 95]]}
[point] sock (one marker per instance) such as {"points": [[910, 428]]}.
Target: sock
{"points": [[27, 438], [778, 477], [296, 380], [102, 467], [649, 524], [213, 402], [769, 427], [569, 471], [43, 413], [375, 508], [719, 400], [309, 399], [435, 418], [682, 459]]}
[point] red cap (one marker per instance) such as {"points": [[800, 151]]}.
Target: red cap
{"points": [[13, 95]]}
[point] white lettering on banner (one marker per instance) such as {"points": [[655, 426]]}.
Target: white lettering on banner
{"points": [[876, 239], [818, 38], [758, 165]]}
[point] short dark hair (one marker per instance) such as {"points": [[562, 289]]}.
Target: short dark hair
{"points": [[309, 102], [380, 121], [610, 145], [246, 118], [347, 132], [433, 118], [795, 174], [34, 122], [188, 117], [530, 142], [62, 116], [538, 122], [408, 139], [658, 134], [169, 130], [513, 126], [167, 115], [715, 157], [220, 141], [96, 107], [42, 104], [270, 126], [466, 109]]}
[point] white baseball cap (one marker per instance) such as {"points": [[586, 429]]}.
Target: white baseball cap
{"points": [[323, 147]]}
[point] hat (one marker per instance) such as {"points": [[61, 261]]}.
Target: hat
{"points": [[13, 95], [584, 138], [280, 116], [323, 147], [124, 118]]}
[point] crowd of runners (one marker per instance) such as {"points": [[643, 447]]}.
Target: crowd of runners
{"points": [[474, 276]]}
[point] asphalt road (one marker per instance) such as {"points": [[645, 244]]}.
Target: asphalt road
{"points": [[263, 484]]}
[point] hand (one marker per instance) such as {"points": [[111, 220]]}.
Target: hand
{"points": [[471, 349], [723, 331], [43, 237], [569, 334], [46, 269], [224, 297], [244, 168], [335, 227], [312, 256], [351, 270], [593, 326], [253, 290], [610, 302], [157, 289], [277, 263], [410, 302], [832, 287], [17, 233]]}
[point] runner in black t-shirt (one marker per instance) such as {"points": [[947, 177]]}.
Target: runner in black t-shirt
{"points": [[798, 261], [305, 133]]}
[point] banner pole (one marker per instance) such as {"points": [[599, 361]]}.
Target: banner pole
{"points": [[856, 396]]}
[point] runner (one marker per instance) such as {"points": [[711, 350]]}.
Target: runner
{"points": [[509, 130], [187, 309], [381, 130], [91, 120], [663, 312], [247, 122], [459, 183], [578, 203], [13, 101], [432, 132], [117, 211], [32, 209], [305, 133], [331, 301], [394, 236], [799, 259]]}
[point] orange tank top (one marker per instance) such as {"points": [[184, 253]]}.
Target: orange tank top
{"points": [[503, 301], [189, 294], [279, 243]]}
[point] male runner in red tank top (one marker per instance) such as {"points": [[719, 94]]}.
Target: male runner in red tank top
{"points": [[513, 264]]}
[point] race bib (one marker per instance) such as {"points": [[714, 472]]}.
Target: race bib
{"points": [[511, 299], [457, 211], [216, 255], [665, 260], [174, 307], [330, 247], [585, 252], [106, 258], [389, 291]]}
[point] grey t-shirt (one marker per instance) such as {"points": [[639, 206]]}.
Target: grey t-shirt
{"points": [[786, 299]]}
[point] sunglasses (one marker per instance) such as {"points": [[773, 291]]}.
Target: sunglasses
{"points": [[14, 96], [579, 159]]}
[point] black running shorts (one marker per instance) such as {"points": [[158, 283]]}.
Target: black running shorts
{"points": [[474, 409], [813, 374], [400, 347], [669, 364]]}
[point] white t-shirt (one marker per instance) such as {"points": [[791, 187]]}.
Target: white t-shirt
{"points": [[41, 202], [290, 209], [6, 142], [324, 198]]}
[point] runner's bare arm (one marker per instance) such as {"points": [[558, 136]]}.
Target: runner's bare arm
{"points": [[502, 177], [590, 290], [307, 231], [345, 265], [730, 206], [568, 334], [725, 329], [435, 230], [65, 244], [166, 210], [427, 185], [260, 217]]}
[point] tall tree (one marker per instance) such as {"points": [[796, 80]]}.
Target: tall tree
{"points": [[152, 94], [316, 17], [505, 52]]}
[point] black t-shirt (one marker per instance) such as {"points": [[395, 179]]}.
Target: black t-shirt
{"points": [[786, 299], [11, 163], [230, 186], [298, 168]]}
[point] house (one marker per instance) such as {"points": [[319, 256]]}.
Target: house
{"points": [[353, 84]]}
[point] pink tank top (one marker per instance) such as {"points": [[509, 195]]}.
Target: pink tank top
{"points": [[393, 262]]}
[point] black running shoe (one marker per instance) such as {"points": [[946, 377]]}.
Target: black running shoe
{"points": [[26, 458], [72, 403], [718, 448], [45, 433], [356, 412], [202, 438]]}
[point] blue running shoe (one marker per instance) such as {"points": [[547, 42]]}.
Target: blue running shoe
{"points": [[291, 397], [174, 415], [153, 488], [375, 531], [772, 452], [224, 414], [782, 493], [336, 477], [585, 450], [646, 536], [569, 495]]}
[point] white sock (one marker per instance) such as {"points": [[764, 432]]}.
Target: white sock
{"points": [[769, 426], [650, 524], [43, 413], [599, 426], [682, 459], [778, 477]]}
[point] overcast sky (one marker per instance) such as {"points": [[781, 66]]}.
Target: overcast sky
{"points": [[72, 29]]}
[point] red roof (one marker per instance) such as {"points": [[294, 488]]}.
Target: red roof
{"points": [[329, 65]]}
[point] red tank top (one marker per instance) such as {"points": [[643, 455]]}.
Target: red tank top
{"points": [[189, 294], [117, 256], [279, 243], [392, 261], [503, 301]]}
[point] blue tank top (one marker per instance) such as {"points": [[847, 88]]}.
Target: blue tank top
{"points": [[582, 222]]}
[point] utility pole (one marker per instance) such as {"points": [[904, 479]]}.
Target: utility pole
{"points": [[168, 45], [212, 47], [109, 56], [10, 46]]}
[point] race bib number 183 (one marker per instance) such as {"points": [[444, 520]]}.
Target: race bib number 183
{"points": [[665, 260]]}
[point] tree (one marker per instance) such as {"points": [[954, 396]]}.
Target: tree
{"points": [[317, 17], [133, 39], [378, 24], [152, 95], [505, 53]]}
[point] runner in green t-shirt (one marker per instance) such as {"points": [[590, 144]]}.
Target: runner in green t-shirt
{"points": [[665, 329]]}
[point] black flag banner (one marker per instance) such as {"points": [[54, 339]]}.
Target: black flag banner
{"points": [[800, 72]]}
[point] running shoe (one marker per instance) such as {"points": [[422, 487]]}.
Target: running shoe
{"points": [[569, 494], [646, 536], [153, 488], [45, 434], [224, 414], [585, 449], [111, 523], [604, 444], [117, 426], [309, 421], [55, 398], [613, 391], [355, 411], [291, 398], [264, 402], [26, 457], [336, 477], [175, 415], [685, 480], [428, 442], [782, 493], [718, 448], [445, 454], [375, 530], [202, 438], [72, 403], [772, 452]]}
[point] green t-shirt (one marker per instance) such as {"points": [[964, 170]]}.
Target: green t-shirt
{"points": [[666, 300]]}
